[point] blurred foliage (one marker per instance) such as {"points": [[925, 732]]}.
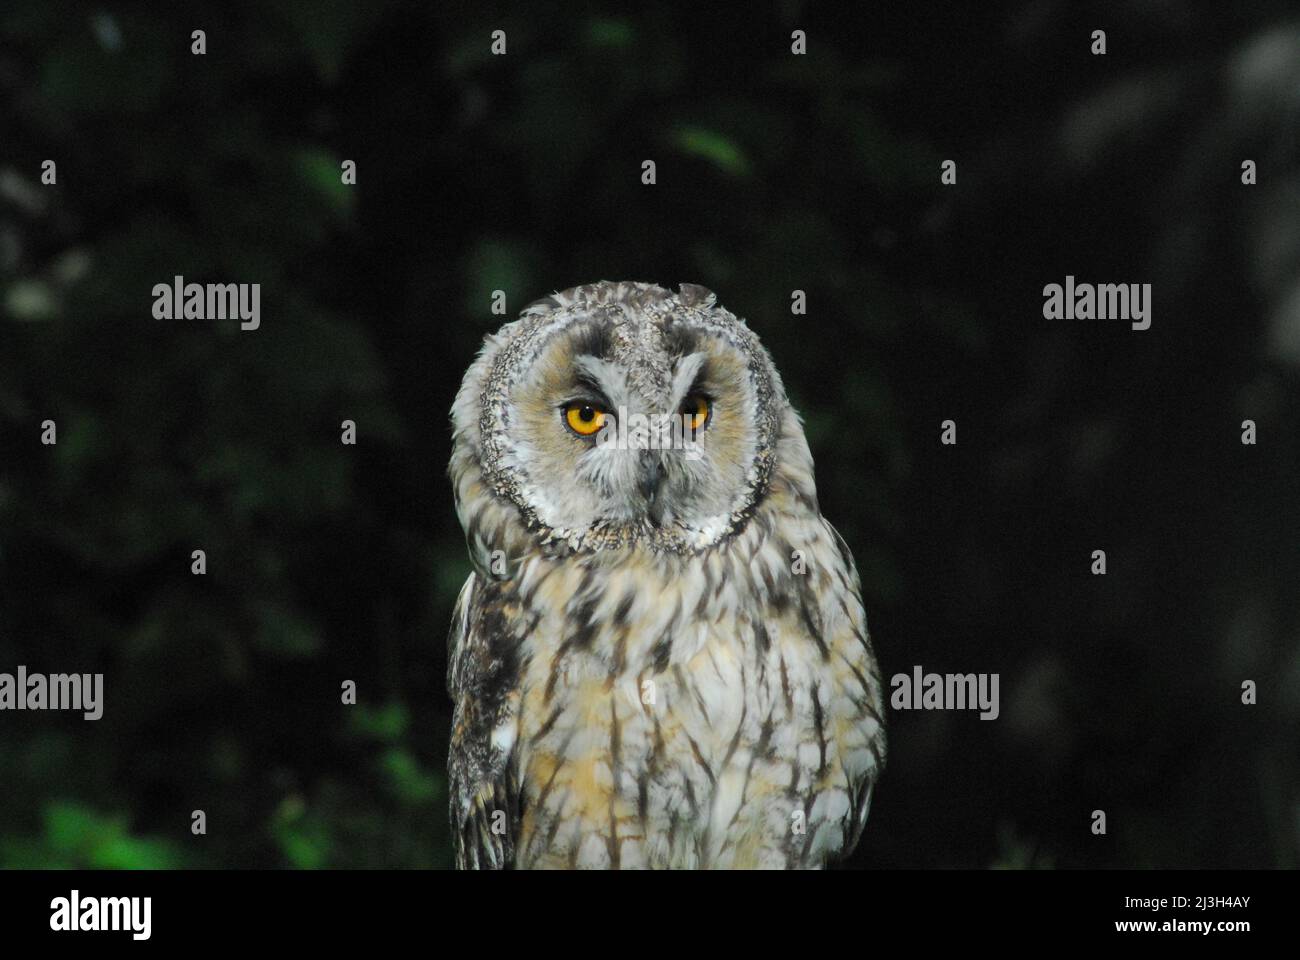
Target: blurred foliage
{"points": [[521, 173]]}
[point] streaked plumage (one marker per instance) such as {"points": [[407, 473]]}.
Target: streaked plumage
{"points": [[658, 662]]}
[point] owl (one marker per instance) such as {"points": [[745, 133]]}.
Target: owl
{"points": [[661, 659]]}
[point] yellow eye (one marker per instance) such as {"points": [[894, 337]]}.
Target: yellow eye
{"points": [[696, 411], [584, 419]]}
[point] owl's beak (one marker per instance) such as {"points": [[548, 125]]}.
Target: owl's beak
{"points": [[649, 475]]}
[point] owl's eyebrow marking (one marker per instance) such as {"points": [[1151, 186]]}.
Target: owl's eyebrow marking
{"points": [[679, 340], [586, 383], [593, 341], [598, 376], [692, 371]]}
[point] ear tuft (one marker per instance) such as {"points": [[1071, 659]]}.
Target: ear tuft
{"points": [[694, 295]]}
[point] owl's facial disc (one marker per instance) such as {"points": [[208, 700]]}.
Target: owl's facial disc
{"points": [[629, 435], [619, 413], [632, 427]]}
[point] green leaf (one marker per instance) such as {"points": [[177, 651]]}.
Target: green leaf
{"points": [[719, 150]]}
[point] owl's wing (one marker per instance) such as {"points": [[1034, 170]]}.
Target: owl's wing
{"points": [[864, 703], [482, 678]]}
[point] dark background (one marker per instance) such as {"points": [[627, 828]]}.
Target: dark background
{"points": [[775, 172]]}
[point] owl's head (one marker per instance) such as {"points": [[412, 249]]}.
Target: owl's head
{"points": [[614, 414]]}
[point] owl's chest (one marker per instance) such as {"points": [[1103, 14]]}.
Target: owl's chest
{"points": [[650, 747]]}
